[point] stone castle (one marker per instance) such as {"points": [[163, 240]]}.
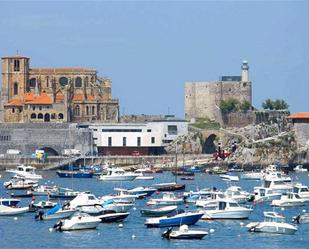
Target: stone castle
{"points": [[57, 95], [202, 99]]}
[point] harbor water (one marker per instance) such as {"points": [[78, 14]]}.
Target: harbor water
{"points": [[24, 231]]}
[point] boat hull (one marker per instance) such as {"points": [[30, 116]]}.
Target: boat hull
{"points": [[225, 214], [74, 174], [173, 221]]}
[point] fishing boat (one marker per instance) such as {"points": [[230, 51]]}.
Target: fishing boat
{"points": [[273, 223], [168, 198], [10, 202], [117, 174], [112, 216], [157, 212], [288, 200], [78, 221], [227, 209], [75, 173], [19, 184], [57, 212], [174, 219], [26, 172], [183, 233], [7, 210]]}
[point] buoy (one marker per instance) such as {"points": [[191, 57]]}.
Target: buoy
{"points": [[120, 225], [50, 229], [212, 230], [15, 218], [282, 209], [241, 224], [133, 236], [304, 210], [238, 235], [134, 208]]}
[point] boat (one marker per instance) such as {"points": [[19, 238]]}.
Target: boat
{"points": [[141, 176], [216, 171], [302, 191], [288, 200], [112, 216], [177, 218], [168, 198], [117, 174], [252, 175], [19, 184], [7, 210], [301, 218], [187, 178], [183, 233], [157, 212], [227, 177], [227, 209], [10, 202], [262, 194], [21, 195], [277, 185], [148, 191], [110, 205], [74, 173], [169, 186], [43, 190], [44, 204], [121, 196], [64, 194], [236, 193], [78, 221], [57, 212], [183, 173], [273, 223], [211, 200], [300, 168], [26, 172]]}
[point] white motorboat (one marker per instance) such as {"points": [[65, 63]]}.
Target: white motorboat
{"points": [[168, 198], [227, 177], [56, 212], [121, 196], [43, 190], [227, 209], [184, 233], [147, 191], [302, 191], [237, 194], [277, 185], [288, 200], [45, 204], [26, 172], [110, 205], [252, 175], [78, 221], [87, 203], [265, 194], [19, 184], [300, 168], [301, 218], [141, 176], [273, 223], [11, 202], [274, 175], [211, 201], [6, 210], [117, 174]]}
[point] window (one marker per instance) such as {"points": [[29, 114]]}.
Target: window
{"points": [[33, 116], [87, 110], [40, 108], [78, 82], [77, 110], [153, 140], [33, 108], [47, 81], [138, 141], [16, 65], [93, 110], [13, 110], [63, 81], [15, 90], [172, 129], [124, 141], [60, 116], [121, 130], [40, 116], [109, 141], [53, 116], [149, 130], [32, 82]]}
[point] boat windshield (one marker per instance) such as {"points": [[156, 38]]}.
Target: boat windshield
{"points": [[222, 205]]}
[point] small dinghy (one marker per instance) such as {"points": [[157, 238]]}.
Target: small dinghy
{"points": [[55, 213], [157, 212], [45, 204], [184, 233], [226, 177], [79, 221], [112, 217], [6, 210]]}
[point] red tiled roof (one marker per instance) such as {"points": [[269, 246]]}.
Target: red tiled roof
{"points": [[15, 102], [42, 99], [299, 115]]}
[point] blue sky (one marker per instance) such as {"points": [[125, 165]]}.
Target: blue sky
{"points": [[150, 49]]}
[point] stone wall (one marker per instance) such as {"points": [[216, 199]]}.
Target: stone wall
{"points": [[302, 133], [29, 137]]}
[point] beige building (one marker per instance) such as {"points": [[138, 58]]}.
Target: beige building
{"points": [[202, 99], [34, 95]]}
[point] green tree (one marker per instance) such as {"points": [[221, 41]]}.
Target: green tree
{"points": [[229, 105], [245, 105], [268, 104], [278, 104]]}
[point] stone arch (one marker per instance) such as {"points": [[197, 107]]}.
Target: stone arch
{"points": [[60, 116], [33, 116], [50, 151], [63, 81], [32, 82], [40, 116], [209, 146], [78, 82], [47, 117]]}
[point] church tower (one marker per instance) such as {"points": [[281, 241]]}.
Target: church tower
{"points": [[245, 72]]}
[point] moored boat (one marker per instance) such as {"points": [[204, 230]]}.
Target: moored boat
{"points": [[170, 186], [7, 210], [184, 233], [157, 212], [74, 173]]}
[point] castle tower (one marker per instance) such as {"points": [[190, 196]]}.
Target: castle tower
{"points": [[245, 72]]}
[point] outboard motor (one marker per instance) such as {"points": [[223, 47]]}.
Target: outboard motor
{"points": [[58, 226], [166, 234], [39, 215], [297, 219]]}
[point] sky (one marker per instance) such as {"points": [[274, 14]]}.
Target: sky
{"points": [[151, 48]]}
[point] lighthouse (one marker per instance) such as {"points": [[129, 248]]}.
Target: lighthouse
{"points": [[245, 71]]}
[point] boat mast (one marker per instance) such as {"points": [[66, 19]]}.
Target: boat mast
{"points": [[176, 161]]}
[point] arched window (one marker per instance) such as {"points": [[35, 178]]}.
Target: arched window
{"points": [[86, 81], [60, 116], [40, 116], [15, 91], [87, 110], [78, 82], [77, 110], [33, 116], [93, 109], [53, 116], [63, 81], [32, 82]]}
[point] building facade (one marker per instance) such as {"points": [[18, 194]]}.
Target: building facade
{"points": [[202, 99], [136, 138], [36, 95]]}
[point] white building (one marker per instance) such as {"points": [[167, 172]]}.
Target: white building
{"points": [[136, 138]]}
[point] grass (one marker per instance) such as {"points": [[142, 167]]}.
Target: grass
{"points": [[206, 124]]}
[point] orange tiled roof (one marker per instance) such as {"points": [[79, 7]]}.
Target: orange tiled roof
{"points": [[79, 97], [15, 102], [60, 70], [90, 97], [42, 99], [299, 115], [59, 96]]}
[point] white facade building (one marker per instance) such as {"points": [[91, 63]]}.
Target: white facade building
{"points": [[136, 138]]}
